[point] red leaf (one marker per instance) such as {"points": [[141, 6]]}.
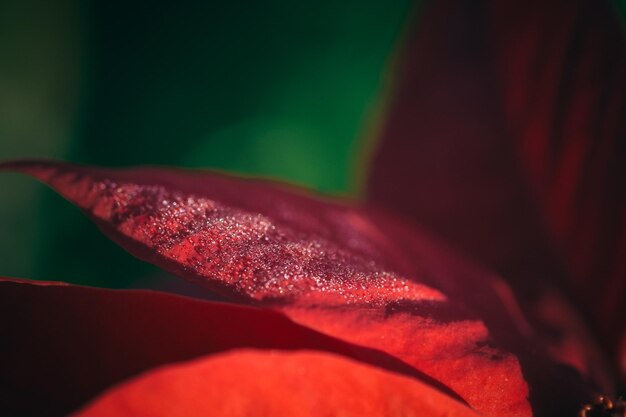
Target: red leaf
{"points": [[506, 137], [253, 383], [63, 344], [562, 67], [353, 273]]}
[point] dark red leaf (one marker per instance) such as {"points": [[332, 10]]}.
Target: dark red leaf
{"points": [[562, 70], [506, 137], [353, 273], [62, 345], [274, 384]]}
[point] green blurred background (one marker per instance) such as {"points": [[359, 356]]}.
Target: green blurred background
{"points": [[273, 87]]}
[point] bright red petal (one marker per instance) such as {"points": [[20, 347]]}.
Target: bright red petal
{"points": [[274, 384], [62, 344], [353, 273]]}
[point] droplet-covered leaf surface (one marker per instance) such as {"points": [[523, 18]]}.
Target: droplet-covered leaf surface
{"points": [[349, 271]]}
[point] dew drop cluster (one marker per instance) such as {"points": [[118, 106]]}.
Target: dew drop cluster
{"points": [[248, 252]]}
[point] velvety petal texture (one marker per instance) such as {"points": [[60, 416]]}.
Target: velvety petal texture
{"points": [[274, 384], [354, 273]]}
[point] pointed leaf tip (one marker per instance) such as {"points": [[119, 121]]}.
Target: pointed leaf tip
{"points": [[233, 248]]}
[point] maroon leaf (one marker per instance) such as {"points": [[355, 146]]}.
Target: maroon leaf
{"points": [[562, 68], [506, 137], [353, 273], [62, 344]]}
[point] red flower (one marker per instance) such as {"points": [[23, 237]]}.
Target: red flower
{"points": [[384, 295], [343, 308]]}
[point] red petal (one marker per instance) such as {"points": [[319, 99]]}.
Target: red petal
{"points": [[350, 272], [63, 344], [505, 137], [253, 383]]}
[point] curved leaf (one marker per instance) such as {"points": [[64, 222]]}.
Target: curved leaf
{"points": [[62, 344], [246, 383], [351, 272]]}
